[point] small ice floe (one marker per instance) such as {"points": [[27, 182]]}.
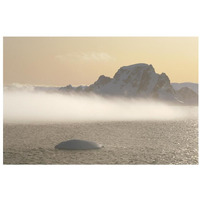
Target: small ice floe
{"points": [[78, 145]]}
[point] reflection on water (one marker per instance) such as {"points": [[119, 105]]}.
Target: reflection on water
{"points": [[151, 142]]}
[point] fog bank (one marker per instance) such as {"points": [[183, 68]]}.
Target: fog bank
{"points": [[31, 106]]}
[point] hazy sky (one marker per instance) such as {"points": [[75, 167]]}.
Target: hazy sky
{"points": [[81, 60]]}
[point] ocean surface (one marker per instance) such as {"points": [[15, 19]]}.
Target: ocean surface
{"points": [[125, 142]]}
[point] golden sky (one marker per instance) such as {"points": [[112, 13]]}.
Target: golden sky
{"points": [[59, 61]]}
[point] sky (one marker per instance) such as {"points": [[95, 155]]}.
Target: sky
{"points": [[59, 61]]}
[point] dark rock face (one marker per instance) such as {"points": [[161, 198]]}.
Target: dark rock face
{"points": [[102, 80], [78, 145], [163, 89], [192, 86], [188, 96]]}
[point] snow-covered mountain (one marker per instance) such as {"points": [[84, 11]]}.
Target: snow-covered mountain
{"points": [[135, 81], [192, 86], [138, 81]]}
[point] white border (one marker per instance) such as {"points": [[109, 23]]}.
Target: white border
{"points": [[99, 18]]}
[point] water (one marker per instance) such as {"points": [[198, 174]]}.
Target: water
{"points": [[125, 142]]}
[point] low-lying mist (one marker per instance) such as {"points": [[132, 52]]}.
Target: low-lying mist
{"points": [[30, 106]]}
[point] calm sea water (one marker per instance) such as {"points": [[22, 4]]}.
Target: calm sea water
{"points": [[150, 142]]}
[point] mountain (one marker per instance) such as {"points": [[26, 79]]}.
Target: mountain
{"points": [[188, 96], [134, 81], [192, 86], [137, 81]]}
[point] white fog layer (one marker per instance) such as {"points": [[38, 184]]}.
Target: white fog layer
{"points": [[29, 106]]}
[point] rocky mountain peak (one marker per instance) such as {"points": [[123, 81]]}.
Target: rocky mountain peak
{"points": [[102, 80], [138, 81], [133, 70], [187, 95]]}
